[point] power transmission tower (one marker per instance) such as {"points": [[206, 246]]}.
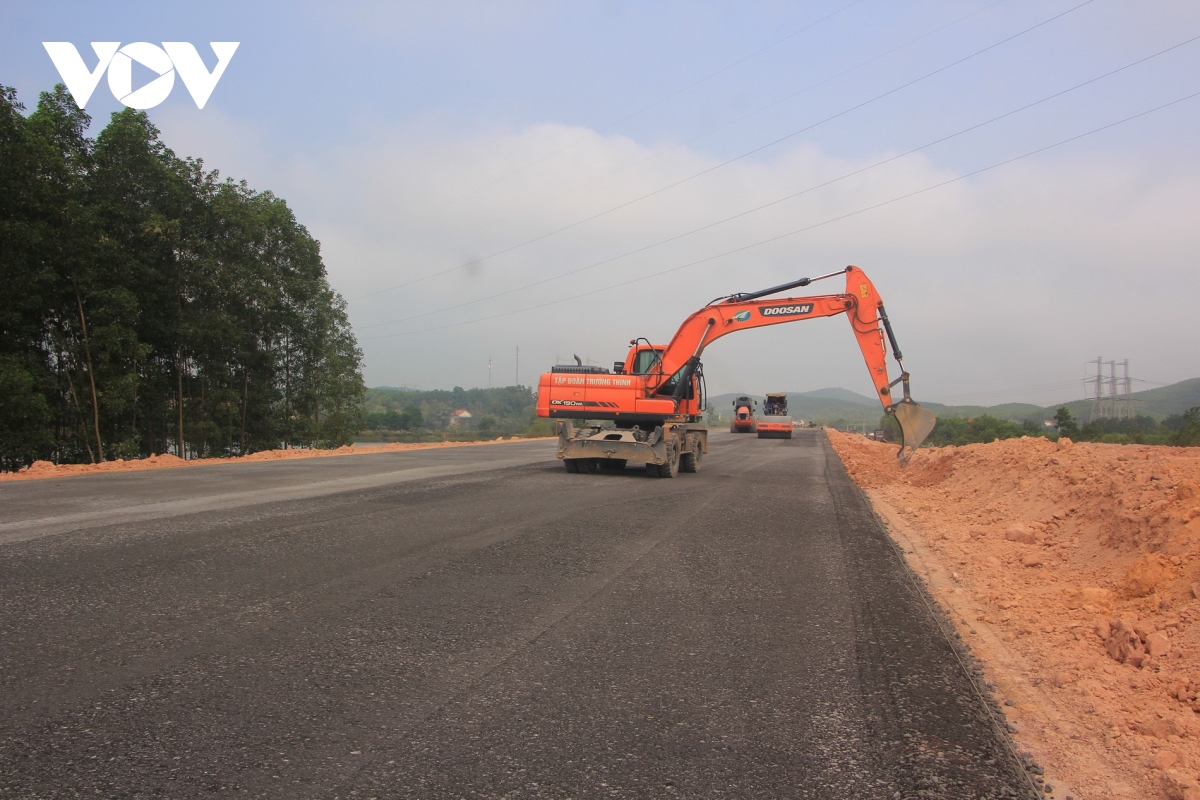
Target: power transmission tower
{"points": [[1097, 411], [1112, 397], [1110, 404], [1127, 394], [489, 372]]}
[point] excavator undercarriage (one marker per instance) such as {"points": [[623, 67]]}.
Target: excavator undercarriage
{"points": [[667, 449]]}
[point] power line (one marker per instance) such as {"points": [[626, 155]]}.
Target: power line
{"points": [[617, 122], [793, 134], [799, 230], [781, 199], [1018, 390], [733, 121]]}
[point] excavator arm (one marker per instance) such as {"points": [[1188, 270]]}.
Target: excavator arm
{"points": [[860, 302]]}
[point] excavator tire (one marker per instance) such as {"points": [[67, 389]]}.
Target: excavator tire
{"points": [[671, 468], [582, 465], [690, 462], [614, 464]]}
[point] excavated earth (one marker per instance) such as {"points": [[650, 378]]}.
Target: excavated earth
{"points": [[1072, 571]]}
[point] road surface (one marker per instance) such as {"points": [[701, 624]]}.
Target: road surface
{"points": [[476, 622]]}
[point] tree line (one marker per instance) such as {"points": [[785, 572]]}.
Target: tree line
{"points": [[1181, 430], [147, 306], [503, 409]]}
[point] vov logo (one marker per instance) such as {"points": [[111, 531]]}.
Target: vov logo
{"points": [[172, 57]]}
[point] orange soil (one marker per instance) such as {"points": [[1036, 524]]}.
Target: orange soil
{"points": [[1073, 571], [45, 469]]}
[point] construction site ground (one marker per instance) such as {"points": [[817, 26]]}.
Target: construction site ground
{"points": [[46, 469], [1072, 570], [477, 622]]}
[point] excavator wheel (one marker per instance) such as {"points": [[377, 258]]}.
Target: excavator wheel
{"points": [[671, 468], [690, 462], [582, 465], [614, 464]]}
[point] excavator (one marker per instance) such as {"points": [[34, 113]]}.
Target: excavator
{"points": [[649, 406], [743, 420]]}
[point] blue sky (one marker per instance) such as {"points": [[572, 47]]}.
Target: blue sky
{"points": [[414, 138]]}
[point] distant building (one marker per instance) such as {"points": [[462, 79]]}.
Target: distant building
{"points": [[460, 417]]}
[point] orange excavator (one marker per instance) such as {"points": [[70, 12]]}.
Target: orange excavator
{"points": [[650, 404]]}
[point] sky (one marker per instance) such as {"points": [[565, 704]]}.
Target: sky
{"points": [[515, 183]]}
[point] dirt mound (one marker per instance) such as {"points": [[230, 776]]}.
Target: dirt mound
{"points": [[45, 469], [1074, 571]]}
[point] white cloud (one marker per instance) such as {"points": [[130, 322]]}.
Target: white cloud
{"points": [[1010, 279]]}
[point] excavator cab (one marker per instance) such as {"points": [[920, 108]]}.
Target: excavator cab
{"points": [[645, 358]]}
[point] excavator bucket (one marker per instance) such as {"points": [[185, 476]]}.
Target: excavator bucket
{"points": [[916, 423]]}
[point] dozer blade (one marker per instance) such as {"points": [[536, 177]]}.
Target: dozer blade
{"points": [[916, 423]]}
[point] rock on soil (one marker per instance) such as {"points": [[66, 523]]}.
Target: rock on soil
{"points": [[1079, 567]]}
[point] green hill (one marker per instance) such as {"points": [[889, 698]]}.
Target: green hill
{"points": [[838, 393], [836, 406], [1159, 403]]}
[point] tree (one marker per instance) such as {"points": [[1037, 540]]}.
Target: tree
{"points": [[1189, 434], [1065, 423], [146, 306], [25, 431], [413, 418]]}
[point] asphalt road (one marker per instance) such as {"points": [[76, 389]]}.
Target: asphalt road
{"points": [[477, 622]]}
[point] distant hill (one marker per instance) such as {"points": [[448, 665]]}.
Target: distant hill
{"points": [[844, 395], [836, 405], [1160, 402], [1016, 412], [824, 406]]}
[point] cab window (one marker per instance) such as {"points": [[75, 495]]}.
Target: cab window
{"points": [[644, 360]]}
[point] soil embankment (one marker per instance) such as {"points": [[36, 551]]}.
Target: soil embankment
{"points": [[1073, 571], [45, 469]]}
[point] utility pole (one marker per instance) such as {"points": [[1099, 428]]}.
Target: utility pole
{"points": [[1112, 389], [489, 372], [1127, 394], [1097, 410], [517, 368]]}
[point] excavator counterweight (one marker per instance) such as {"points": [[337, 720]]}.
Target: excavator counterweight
{"points": [[647, 409]]}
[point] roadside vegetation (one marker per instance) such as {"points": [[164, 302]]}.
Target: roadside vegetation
{"points": [[1181, 430], [411, 415], [147, 306]]}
